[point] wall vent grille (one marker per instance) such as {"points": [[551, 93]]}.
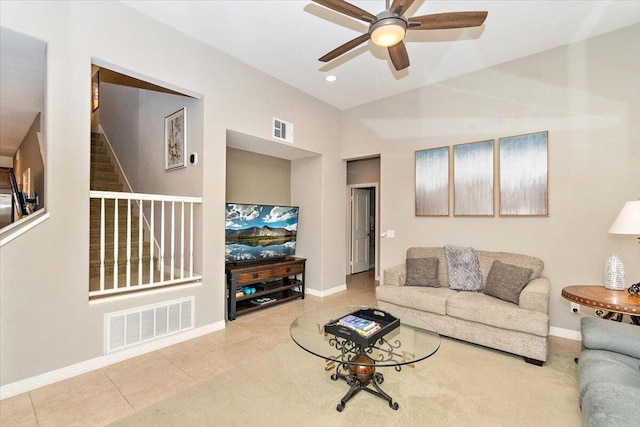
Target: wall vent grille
{"points": [[282, 130], [127, 328]]}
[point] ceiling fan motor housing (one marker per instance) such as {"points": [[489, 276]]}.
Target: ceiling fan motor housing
{"points": [[388, 22]]}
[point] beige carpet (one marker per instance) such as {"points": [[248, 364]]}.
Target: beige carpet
{"points": [[461, 385]]}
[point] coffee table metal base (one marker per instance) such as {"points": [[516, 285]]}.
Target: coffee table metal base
{"points": [[359, 377]]}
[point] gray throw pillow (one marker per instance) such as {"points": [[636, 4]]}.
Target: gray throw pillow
{"points": [[464, 269], [506, 281], [422, 272]]}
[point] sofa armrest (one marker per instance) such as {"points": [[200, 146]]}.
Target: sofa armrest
{"points": [[535, 296], [600, 334], [395, 276]]}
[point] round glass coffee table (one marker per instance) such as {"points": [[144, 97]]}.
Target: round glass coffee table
{"points": [[356, 362]]}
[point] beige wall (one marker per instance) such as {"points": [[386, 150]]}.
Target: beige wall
{"points": [[364, 171], [256, 178], [47, 323], [587, 95]]}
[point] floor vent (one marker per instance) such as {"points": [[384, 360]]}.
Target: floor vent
{"points": [[138, 325]]}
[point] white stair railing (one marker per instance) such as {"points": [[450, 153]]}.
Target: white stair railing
{"points": [[180, 226]]}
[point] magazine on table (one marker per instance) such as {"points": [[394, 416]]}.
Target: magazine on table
{"points": [[362, 326]]}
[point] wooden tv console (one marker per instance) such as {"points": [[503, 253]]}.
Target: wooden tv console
{"points": [[279, 280]]}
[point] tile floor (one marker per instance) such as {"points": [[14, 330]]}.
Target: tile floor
{"points": [[105, 395]]}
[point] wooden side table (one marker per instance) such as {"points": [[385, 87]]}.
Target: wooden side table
{"points": [[615, 303]]}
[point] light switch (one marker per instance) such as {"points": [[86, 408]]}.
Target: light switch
{"points": [[391, 234]]}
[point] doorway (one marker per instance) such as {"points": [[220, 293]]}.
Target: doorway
{"points": [[362, 224]]}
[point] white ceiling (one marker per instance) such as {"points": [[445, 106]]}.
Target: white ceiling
{"points": [[285, 39]]}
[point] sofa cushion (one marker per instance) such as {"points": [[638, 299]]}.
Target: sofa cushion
{"points": [[422, 272], [600, 334], [486, 258], [423, 298], [427, 252], [599, 367], [506, 281], [464, 270], [611, 405], [481, 308]]}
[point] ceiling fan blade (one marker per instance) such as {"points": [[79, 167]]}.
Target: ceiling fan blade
{"points": [[399, 7], [345, 48], [347, 9], [399, 56], [441, 21]]}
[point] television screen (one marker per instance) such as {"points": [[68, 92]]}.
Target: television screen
{"points": [[259, 232]]}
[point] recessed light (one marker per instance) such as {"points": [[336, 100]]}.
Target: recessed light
{"points": [[330, 78]]}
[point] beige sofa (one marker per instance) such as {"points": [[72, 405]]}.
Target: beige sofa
{"points": [[473, 316]]}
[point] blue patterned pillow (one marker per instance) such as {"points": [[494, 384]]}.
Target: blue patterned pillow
{"points": [[464, 269]]}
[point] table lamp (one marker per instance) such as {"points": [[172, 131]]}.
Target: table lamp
{"points": [[627, 222]]}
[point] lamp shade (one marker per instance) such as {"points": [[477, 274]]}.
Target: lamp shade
{"points": [[628, 220]]}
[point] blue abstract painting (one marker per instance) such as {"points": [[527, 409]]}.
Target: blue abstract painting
{"points": [[432, 182], [473, 178], [524, 175]]}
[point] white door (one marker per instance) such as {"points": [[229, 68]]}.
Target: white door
{"points": [[359, 230]]}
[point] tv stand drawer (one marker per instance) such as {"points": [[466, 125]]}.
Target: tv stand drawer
{"points": [[287, 270], [253, 276]]}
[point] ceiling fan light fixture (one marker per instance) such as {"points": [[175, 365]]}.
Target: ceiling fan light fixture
{"points": [[388, 31]]}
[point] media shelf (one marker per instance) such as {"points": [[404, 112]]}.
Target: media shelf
{"points": [[281, 281]]}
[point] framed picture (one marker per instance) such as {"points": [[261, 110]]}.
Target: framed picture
{"points": [[473, 179], [432, 182], [95, 92], [524, 175], [175, 140]]}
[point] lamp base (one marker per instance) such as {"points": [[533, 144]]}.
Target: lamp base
{"points": [[614, 274]]}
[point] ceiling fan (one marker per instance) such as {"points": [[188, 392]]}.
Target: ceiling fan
{"points": [[389, 27]]}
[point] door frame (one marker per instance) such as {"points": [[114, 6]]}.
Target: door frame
{"points": [[376, 191]]}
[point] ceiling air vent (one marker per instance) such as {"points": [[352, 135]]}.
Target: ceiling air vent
{"points": [[282, 130]]}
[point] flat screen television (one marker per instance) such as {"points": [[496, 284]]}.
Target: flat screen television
{"points": [[259, 232]]}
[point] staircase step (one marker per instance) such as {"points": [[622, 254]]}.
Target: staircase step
{"points": [[102, 167], [94, 244], [94, 256], [94, 231], [106, 186], [122, 244], [94, 282], [94, 269], [94, 239], [96, 149], [94, 211], [103, 176], [100, 158]]}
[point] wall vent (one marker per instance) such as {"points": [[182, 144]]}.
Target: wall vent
{"points": [[282, 130], [127, 328]]}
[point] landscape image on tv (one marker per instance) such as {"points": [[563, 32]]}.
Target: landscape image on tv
{"points": [[259, 232]]}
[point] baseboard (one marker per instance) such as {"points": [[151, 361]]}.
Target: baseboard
{"points": [[328, 292], [51, 377], [565, 333]]}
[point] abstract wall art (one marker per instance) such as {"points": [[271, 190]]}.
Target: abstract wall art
{"points": [[473, 179], [524, 175], [432, 182]]}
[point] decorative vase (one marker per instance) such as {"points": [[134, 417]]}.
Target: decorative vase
{"points": [[614, 273]]}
